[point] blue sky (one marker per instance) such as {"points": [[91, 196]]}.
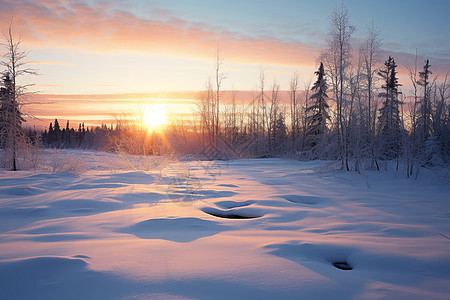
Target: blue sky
{"points": [[404, 25]]}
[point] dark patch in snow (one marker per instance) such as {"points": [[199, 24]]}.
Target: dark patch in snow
{"points": [[310, 254], [342, 265], [243, 213]]}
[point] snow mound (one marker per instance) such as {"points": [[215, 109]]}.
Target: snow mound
{"points": [[177, 229]]}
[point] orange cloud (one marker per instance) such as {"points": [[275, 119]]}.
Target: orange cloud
{"points": [[61, 63], [61, 24]]}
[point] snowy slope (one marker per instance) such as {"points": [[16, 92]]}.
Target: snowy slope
{"points": [[101, 228]]}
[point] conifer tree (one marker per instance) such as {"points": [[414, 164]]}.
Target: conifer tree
{"points": [[317, 111], [389, 122], [424, 121]]}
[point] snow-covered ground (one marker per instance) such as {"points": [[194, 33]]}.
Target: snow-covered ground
{"points": [[96, 226]]}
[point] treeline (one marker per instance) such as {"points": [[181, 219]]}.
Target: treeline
{"points": [[55, 137], [125, 136]]}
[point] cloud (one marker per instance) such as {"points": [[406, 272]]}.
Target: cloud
{"points": [[439, 67], [49, 85], [103, 29], [61, 63]]}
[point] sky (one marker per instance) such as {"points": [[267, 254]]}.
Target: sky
{"points": [[114, 47]]}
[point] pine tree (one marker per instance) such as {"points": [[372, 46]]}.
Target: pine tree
{"points": [[56, 127], [389, 122], [317, 112], [424, 121], [10, 116]]}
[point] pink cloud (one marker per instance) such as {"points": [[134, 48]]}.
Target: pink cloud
{"points": [[100, 29]]}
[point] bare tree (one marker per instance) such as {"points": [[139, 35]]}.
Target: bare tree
{"points": [[336, 57], [15, 64], [293, 97], [219, 78], [369, 51], [274, 111], [206, 109]]}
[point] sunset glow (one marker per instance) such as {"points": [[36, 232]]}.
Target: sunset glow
{"points": [[155, 116], [116, 47]]}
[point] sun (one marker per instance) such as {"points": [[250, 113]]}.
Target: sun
{"points": [[155, 116]]}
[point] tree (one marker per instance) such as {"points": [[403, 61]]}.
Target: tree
{"points": [[424, 121], [389, 122], [441, 121], [369, 51], [10, 115], [318, 110], [293, 97], [219, 78], [12, 95], [274, 120], [337, 56]]}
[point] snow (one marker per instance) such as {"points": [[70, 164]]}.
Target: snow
{"points": [[95, 225]]}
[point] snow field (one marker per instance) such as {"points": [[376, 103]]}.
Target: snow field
{"points": [[116, 227]]}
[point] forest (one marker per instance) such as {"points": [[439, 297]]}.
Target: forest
{"points": [[354, 112]]}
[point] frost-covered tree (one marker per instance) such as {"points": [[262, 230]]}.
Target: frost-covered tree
{"points": [[337, 59], [317, 111], [424, 120], [369, 58], [294, 107], [389, 122], [441, 116], [369, 51], [12, 92], [10, 121]]}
